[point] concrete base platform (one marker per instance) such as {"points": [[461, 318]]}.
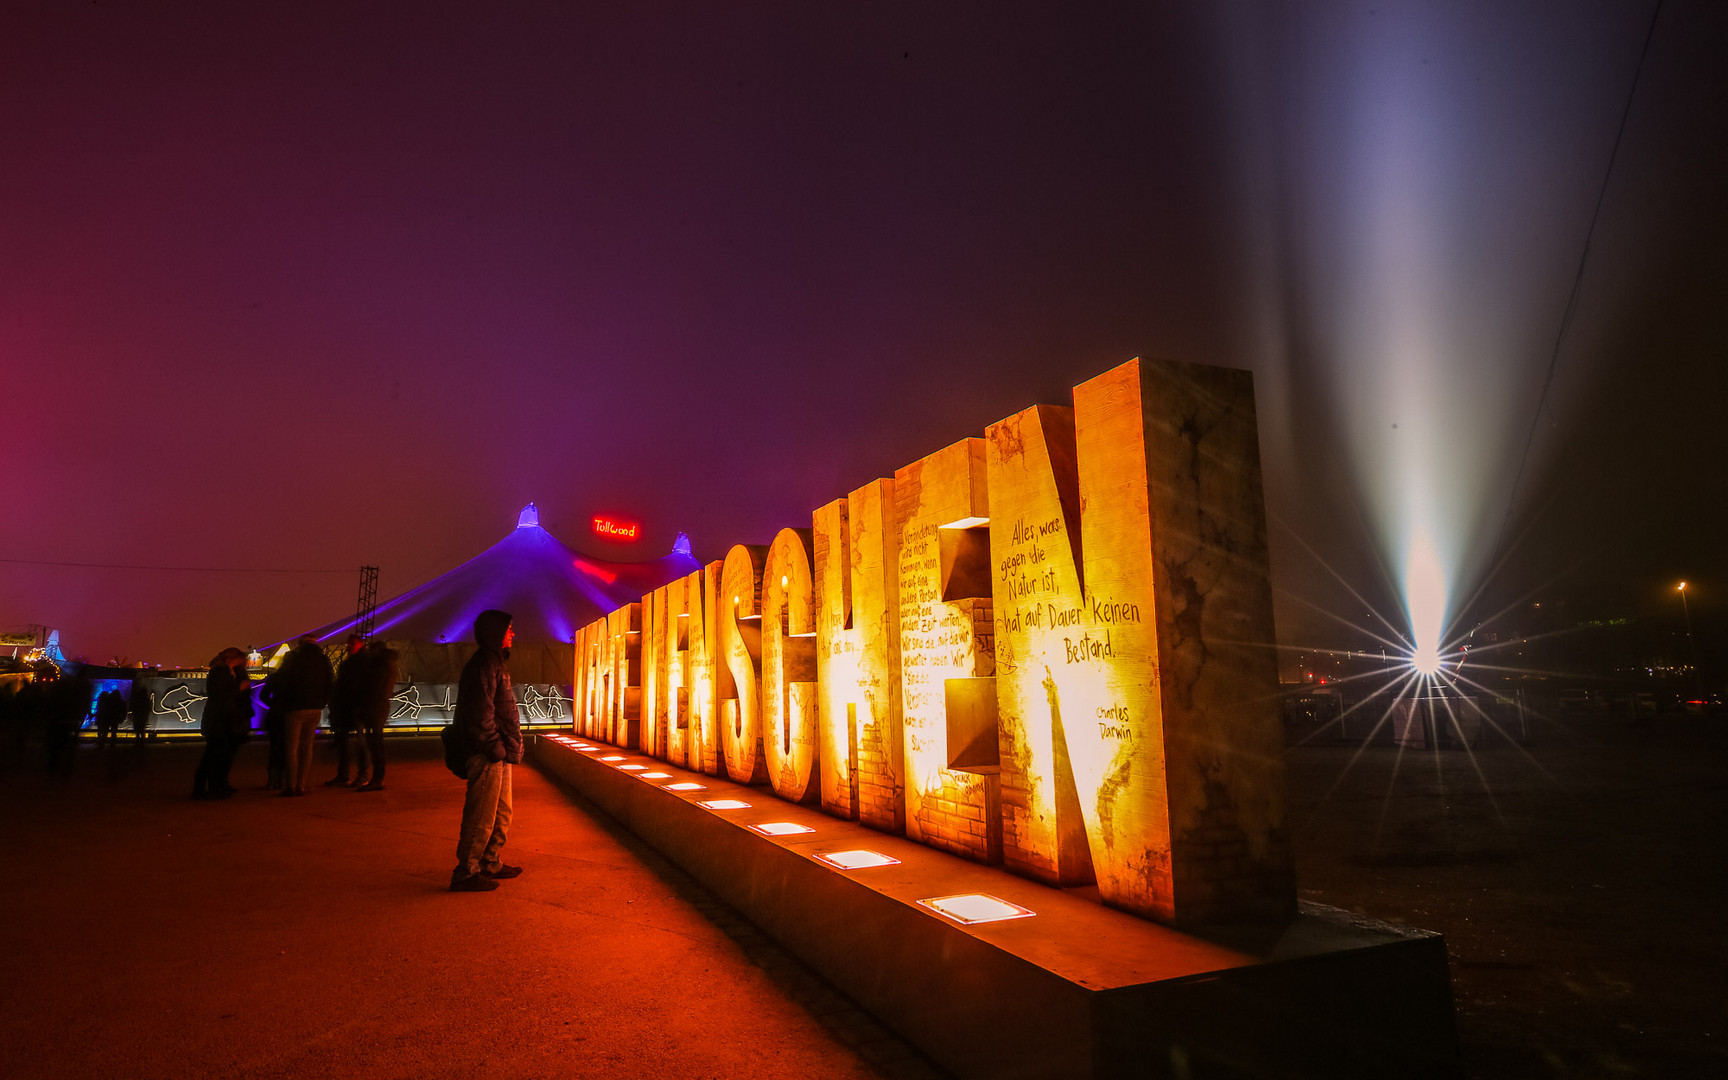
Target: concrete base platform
{"points": [[1074, 990]]}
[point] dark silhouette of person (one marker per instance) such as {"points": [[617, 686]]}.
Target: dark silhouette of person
{"points": [[373, 706], [345, 696], [227, 716], [67, 707], [29, 709], [276, 731], [110, 710], [11, 723], [303, 690], [142, 707], [491, 740]]}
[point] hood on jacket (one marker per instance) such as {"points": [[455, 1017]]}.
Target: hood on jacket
{"points": [[489, 627]]}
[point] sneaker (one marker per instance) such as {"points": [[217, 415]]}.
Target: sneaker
{"points": [[336, 781], [502, 872], [472, 883], [371, 785]]}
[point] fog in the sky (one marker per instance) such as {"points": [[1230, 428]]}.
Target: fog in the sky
{"points": [[296, 288]]}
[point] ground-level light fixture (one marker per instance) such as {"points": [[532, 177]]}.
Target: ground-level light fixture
{"points": [[686, 786], [613, 757], [656, 776], [970, 908], [724, 804], [630, 768], [780, 828], [859, 859]]}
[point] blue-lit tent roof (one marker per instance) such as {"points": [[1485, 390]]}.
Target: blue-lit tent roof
{"points": [[550, 590]]}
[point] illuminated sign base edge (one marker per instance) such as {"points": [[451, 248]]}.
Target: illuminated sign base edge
{"points": [[1076, 989]]}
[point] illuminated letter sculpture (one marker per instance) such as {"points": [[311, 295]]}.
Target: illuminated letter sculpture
{"points": [[941, 515], [789, 744], [699, 697], [858, 658], [1050, 648], [739, 664]]}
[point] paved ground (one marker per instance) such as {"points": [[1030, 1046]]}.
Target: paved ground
{"points": [[1581, 885], [147, 935]]}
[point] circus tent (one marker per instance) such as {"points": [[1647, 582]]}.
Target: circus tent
{"points": [[548, 588]]}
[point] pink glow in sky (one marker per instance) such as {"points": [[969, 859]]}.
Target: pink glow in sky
{"points": [[296, 288]]}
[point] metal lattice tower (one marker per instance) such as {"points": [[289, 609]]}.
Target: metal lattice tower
{"points": [[366, 610]]}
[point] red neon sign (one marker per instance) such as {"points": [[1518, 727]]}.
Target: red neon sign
{"points": [[615, 530]]}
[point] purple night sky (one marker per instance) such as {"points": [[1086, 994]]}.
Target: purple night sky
{"points": [[301, 287]]}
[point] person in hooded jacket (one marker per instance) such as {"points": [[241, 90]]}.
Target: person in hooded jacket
{"points": [[491, 738]]}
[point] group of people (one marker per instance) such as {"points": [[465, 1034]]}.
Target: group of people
{"points": [[487, 728], [51, 710], [294, 697]]}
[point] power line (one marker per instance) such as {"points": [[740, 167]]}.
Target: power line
{"points": [[179, 569], [1578, 276]]}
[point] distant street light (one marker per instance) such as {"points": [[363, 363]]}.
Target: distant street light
{"points": [[1691, 644]]}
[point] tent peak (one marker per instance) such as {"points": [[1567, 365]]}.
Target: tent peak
{"points": [[530, 516], [681, 546]]}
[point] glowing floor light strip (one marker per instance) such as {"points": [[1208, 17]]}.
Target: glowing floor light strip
{"points": [[857, 860], [687, 786], [630, 768], [588, 749], [972, 908], [613, 757], [656, 776], [780, 828], [724, 804]]}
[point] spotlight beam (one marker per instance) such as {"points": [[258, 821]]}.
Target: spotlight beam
{"points": [[1349, 588]]}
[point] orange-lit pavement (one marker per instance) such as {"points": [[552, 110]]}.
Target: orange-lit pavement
{"points": [[147, 935]]}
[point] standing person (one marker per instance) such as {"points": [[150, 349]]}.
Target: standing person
{"points": [[373, 708], [110, 710], [303, 689], [224, 690], [143, 704], [276, 731], [491, 740], [68, 706], [344, 709]]}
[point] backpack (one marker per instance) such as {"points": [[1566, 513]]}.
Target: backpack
{"points": [[454, 759]]}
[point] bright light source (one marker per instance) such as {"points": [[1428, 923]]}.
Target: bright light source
{"points": [[687, 786], [857, 860], [656, 776], [1426, 662], [724, 804], [972, 908], [613, 757], [630, 768], [781, 828], [588, 749], [1425, 603]]}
